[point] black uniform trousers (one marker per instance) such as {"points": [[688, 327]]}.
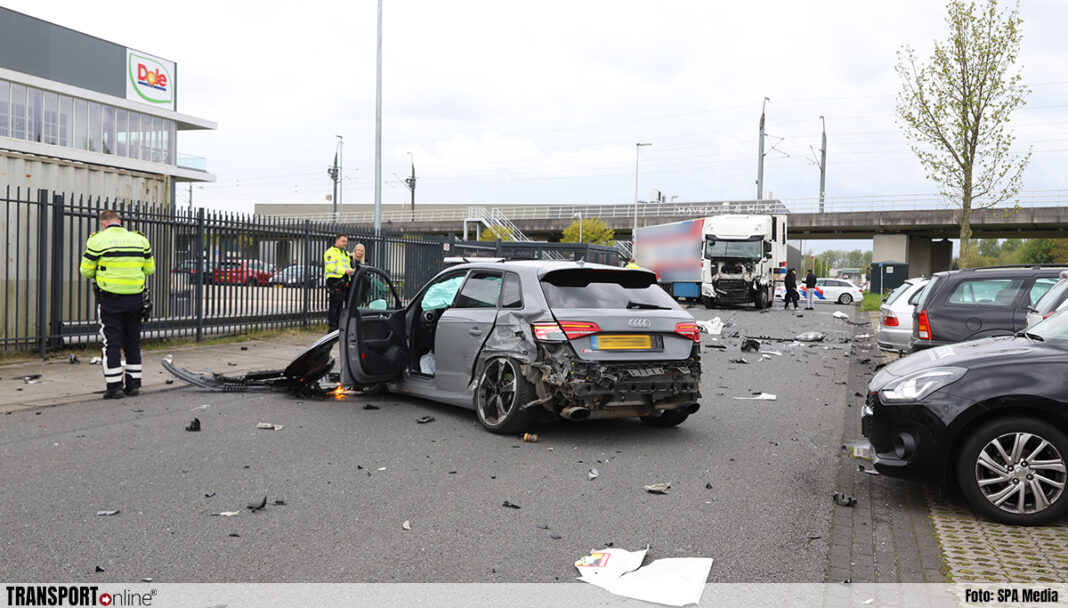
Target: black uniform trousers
{"points": [[120, 327], [336, 289]]}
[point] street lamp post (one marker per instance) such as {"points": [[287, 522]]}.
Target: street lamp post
{"points": [[634, 231], [578, 214]]}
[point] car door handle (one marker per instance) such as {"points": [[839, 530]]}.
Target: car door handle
{"points": [[475, 331]]}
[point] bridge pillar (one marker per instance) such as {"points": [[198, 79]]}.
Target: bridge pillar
{"points": [[924, 257], [919, 256], [941, 255]]}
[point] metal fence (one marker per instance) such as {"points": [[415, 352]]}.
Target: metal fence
{"points": [[213, 269], [533, 250]]}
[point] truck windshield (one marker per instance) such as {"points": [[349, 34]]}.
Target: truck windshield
{"points": [[733, 249]]}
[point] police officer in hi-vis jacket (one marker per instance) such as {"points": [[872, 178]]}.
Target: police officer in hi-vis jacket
{"points": [[119, 260], [337, 267]]}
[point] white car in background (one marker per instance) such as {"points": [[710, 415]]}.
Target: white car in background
{"points": [[895, 316], [1054, 301], [832, 290]]}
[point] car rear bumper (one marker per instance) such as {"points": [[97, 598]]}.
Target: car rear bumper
{"points": [[893, 338]]}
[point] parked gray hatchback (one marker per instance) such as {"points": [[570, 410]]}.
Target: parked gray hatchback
{"points": [[524, 341]]}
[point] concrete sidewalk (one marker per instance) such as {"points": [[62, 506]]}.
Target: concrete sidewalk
{"points": [[62, 382]]}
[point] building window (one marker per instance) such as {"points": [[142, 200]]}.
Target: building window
{"points": [[81, 124], [133, 135], [157, 140], [96, 134], [121, 132], [66, 122], [33, 114], [146, 137], [18, 111], [109, 130], [51, 118], [170, 142], [5, 107]]}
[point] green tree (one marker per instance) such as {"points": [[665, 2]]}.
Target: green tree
{"points": [[955, 109], [989, 247], [1037, 251], [1059, 253], [594, 230], [492, 233]]}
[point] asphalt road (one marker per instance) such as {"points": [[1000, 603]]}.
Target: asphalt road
{"points": [[350, 477]]}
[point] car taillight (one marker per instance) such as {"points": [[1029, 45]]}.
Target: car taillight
{"points": [[548, 332], [578, 329], [923, 326], [890, 320], [689, 330]]}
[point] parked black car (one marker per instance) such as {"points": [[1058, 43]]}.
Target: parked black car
{"points": [[298, 276], [991, 414], [973, 303], [193, 268]]}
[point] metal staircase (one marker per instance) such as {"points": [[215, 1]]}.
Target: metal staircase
{"points": [[495, 218]]}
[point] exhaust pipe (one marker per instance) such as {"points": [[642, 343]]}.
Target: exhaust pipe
{"points": [[693, 407], [575, 413]]}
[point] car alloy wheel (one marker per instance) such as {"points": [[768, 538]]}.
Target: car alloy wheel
{"points": [[1014, 471], [845, 298], [501, 391]]}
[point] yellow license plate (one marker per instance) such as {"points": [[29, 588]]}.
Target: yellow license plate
{"points": [[623, 342]]}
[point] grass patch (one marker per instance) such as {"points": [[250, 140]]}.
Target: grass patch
{"points": [[87, 351], [871, 302]]}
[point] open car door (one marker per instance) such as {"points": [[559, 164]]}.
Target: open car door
{"points": [[374, 341]]}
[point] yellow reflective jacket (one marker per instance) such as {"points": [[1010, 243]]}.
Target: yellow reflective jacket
{"points": [[336, 262], [118, 259]]}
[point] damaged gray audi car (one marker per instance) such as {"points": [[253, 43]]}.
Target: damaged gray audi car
{"points": [[524, 341]]}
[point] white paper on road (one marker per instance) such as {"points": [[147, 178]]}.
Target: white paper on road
{"points": [[674, 581], [760, 397], [712, 328]]}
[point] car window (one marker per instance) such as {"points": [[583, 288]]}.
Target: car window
{"points": [[1040, 288], [511, 294], [1053, 298], [480, 291], [442, 292], [916, 297], [985, 292], [897, 293], [373, 292], [926, 292], [576, 288]]}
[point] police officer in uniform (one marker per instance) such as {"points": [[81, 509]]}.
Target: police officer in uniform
{"points": [[119, 260], [337, 267]]}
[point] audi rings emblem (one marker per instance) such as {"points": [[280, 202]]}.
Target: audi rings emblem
{"points": [[639, 323]]}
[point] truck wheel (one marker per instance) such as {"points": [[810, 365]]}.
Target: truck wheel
{"points": [[760, 300], [708, 302]]}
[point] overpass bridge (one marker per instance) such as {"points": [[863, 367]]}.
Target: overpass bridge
{"points": [[910, 228]]}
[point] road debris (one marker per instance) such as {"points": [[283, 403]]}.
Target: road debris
{"points": [[244, 348], [235, 535], [758, 397], [509, 505], [406, 525], [268, 426], [99, 569], [593, 474], [555, 536], [200, 407], [31, 379], [844, 500], [370, 406], [194, 426], [231, 364], [94, 361], [74, 359], [226, 513], [673, 581], [543, 526], [750, 345], [712, 328], [530, 437], [424, 419], [209, 495], [658, 488], [811, 336], [107, 513], [738, 360], [255, 507], [716, 346], [147, 579]]}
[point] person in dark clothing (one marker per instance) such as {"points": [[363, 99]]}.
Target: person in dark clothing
{"points": [[810, 289], [791, 295]]}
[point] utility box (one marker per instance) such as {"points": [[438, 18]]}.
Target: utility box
{"points": [[888, 275]]}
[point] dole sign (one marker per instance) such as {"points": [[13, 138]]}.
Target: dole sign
{"points": [[149, 79]]}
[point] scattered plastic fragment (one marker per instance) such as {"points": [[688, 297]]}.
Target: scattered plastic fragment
{"points": [[226, 513], [209, 495], [107, 513], [99, 569], [758, 397], [74, 359], [147, 579], [406, 525], [658, 488], [716, 346], [268, 426], [370, 406], [708, 486], [773, 352], [750, 345], [672, 581], [231, 364], [255, 507], [712, 328], [844, 500], [194, 426], [244, 348], [543, 526], [811, 336], [424, 419], [280, 503], [32, 378], [739, 360], [593, 474], [94, 361], [861, 336], [200, 407], [510, 505], [555, 536], [235, 535]]}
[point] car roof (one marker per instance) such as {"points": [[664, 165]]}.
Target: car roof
{"points": [[1017, 269], [538, 268]]}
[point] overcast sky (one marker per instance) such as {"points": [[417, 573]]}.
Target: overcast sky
{"points": [[506, 102]]}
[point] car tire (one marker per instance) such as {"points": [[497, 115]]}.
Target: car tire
{"points": [[501, 390], [664, 418], [845, 298], [708, 302], [1007, 449], [760, 300]]}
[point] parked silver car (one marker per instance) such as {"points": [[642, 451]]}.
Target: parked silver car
{"points": [[525, 340], [895, 316], [1054, 301]]}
